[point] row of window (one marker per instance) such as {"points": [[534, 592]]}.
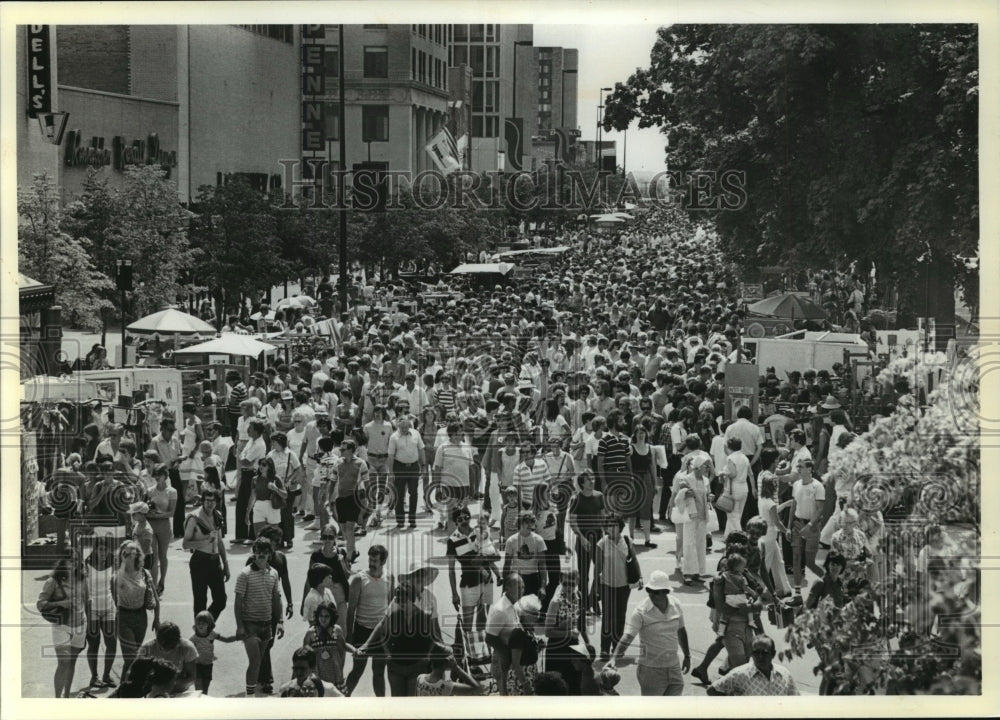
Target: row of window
{"points": [[474, 33], [424, 68], [435, 33], [374, 122], [485, 60], [485, 126], [429, 70], [284, 33]]}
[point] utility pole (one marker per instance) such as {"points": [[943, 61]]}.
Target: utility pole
{"points": [[341, 194]]}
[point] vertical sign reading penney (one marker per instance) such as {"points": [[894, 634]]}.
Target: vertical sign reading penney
{"points": [[39, 70]]}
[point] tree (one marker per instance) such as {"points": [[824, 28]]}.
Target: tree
{"points": [[857, 142], [142, 222], [920, 467], [48, 254], [236, 234]]}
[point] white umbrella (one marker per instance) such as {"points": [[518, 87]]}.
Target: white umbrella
{"points": [[298, 302], [170, 322], [229, 344], [607, 219]]}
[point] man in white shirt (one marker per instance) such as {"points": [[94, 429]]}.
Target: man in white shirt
{"points": [[748, 433], [529, 473], [415, 395], [406, 462], [501, 621], [808, 495]]}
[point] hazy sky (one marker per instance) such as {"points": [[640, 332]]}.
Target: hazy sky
{"points": [[609, 55]]}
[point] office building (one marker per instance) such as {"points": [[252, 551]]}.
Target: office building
{"points": [[504, 87], [557, 88], [189, 98], [395, 94]]}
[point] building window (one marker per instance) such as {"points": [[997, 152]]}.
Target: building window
{"points": [[423, 68], [492, 61], [491, 34], [461, 33], [477, 33], [331, 117], [423, 31], [413, 64], [437, 34], [543, 95], [478, 52], [275, 32], [492, 126], [460, 55], [374, 123], [491, 96], [376, 62], [331, 61], [376, 27]]}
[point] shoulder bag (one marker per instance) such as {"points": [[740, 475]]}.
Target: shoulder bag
{"points": [[278, 502], [56, 615], [725, 502], [151, 599], [633, 573]]}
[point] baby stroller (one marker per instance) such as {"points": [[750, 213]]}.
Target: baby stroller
{"points": [[474, 655]]}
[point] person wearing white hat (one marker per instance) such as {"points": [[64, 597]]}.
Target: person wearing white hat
{"points": [[658, 622]]}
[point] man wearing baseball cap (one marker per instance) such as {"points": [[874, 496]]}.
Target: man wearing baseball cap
{"points": [[658, 622]]}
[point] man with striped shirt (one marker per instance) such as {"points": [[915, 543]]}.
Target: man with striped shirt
{"points": [[258, 605], [529, 473], [614, 460], [237, 394]]}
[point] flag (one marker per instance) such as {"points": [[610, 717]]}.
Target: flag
{"points": [[444, 152]]}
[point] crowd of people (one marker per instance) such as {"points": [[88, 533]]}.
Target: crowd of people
{"points": [[554, 430]]}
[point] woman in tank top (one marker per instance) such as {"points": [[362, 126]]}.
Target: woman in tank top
{"points": [[100, 610]]}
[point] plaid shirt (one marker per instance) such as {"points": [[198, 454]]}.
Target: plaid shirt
{"points": [[380, 394], [748, 680]]}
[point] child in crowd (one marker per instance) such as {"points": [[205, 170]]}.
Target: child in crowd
{"points": [[204, 642], [509, 514]]}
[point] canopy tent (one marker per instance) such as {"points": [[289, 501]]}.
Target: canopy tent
{"points": [[788, 305], [609, 218], [483, 269], [45, 388], [229, 344], [170, 323]]}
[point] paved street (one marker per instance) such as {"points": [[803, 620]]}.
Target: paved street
{"points": [[38, 662]]}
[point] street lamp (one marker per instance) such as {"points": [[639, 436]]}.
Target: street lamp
{"points": [[562, 102], [600, 123]]}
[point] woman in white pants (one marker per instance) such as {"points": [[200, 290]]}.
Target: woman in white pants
{"points": [[771, 550], [737, 471], [694, 486]]}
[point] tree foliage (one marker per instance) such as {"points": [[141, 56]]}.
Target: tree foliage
{"points": [[45, 252], [236, 234], [142, 222], [858, 141], [923, 467]]}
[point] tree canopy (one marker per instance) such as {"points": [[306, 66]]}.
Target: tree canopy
{"points": [[858, 142]]}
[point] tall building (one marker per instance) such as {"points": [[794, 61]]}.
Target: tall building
{"points": [[189, 98], [395, 94], [504, 87], [557, 88]]}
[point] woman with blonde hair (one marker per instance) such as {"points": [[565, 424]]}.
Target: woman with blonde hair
{"points": [[134, 594]]}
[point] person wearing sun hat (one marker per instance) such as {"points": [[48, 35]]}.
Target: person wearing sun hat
{"points": [[658, 622]]}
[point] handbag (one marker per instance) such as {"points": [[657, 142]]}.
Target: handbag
{"points": [[725, 502], [633, 573], [57, 615], [151, 600]]}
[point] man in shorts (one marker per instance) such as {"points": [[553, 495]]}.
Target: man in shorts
{"points": [[351, 477]]}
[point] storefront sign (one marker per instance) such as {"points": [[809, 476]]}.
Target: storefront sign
{"points": [[313, 86], [121, 154], [39, 70]]}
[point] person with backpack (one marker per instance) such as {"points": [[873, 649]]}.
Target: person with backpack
{"points": [[62, 602]]}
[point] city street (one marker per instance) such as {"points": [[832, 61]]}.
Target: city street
{"points": [[38, 664]]}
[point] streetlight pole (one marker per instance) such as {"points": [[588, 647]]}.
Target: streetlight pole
{"points": [[342, 196], [600, 125]]}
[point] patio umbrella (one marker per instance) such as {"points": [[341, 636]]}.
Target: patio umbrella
{"points": [[170, 323], [299, 302], [229, 344], [788, 305]]}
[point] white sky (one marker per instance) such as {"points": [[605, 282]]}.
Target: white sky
{"points": [[602, 64]]}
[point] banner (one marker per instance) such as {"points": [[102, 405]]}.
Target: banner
{"points": [[444, 152]]}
